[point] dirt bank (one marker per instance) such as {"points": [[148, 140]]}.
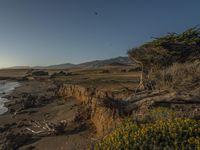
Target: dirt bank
{"points": [[108, 109]]}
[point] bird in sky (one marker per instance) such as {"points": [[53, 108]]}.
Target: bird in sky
{"points": [[96, 13]]}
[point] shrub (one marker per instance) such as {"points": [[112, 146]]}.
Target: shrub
{"points": [[105, 71], [40, 73], [123, 70], [161, 113], [170, 134], [136, 69], [61, 73]]}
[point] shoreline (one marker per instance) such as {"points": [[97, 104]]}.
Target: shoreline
{"points": [[48, 107], [7, 88]]}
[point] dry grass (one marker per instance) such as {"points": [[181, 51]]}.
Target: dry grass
{"points": [[105, 78], [12, 73], [114, 80], [179, 76]]}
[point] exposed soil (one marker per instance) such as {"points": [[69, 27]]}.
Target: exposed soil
{"points": [[48, 107]]}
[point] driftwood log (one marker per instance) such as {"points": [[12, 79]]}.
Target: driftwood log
{"points": [[47, 127]]}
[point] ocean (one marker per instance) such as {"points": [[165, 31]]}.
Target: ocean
{"points": [[5, 88]]}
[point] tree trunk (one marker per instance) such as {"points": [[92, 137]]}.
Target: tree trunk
{"points": [[141, 83]]}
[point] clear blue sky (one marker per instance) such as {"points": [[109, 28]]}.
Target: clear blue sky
{"points": [[44, 32]]}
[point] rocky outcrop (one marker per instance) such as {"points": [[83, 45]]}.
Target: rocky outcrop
{"points": [[106, 107]]}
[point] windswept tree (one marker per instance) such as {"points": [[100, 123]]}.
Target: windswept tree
{"points": [[164, 51]]}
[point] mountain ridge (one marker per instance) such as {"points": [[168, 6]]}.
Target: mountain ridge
{"points": [[117, 61]]}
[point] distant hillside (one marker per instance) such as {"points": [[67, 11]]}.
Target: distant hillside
{"points": [[18, 67], [118, 61], [60, 66]]}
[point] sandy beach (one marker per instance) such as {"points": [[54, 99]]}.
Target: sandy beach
{"points": [[15, 125]]}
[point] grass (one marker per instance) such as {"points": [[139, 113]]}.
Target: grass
{"points": [[113, 81], [179, 76]]}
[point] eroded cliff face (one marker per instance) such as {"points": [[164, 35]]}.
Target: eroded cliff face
{"points": [[106, 108]]}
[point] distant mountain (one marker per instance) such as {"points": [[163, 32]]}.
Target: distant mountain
{"points": [[60, 66], [118, 61], [18, 67]]}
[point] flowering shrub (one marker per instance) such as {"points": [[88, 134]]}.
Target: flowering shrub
{"points": [[161, 113], [171, 134]]}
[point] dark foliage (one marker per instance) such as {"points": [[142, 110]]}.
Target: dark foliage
{"points": [[164, 51]]}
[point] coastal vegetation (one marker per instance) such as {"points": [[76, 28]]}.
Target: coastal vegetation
{"points": [[179, 133], [172, 48], [164, 51], [171, 62]]}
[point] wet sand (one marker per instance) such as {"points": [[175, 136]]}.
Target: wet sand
{"points": [[6, 87]]}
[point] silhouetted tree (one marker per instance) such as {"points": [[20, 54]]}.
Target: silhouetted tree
{"points": [[166, 50]]}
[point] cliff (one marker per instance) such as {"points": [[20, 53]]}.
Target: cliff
{"points": [[106, 107]]}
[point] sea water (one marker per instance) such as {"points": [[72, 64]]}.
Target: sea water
{"points": [[5, 88]]}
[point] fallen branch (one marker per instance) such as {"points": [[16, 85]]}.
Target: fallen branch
{"points": [[35, 132], [48, 128]]}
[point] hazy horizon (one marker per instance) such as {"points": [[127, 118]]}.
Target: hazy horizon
{"points": [[63, 63], [48, 32]]}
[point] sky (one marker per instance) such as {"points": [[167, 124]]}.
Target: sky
{"points": [[46, 32]]}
